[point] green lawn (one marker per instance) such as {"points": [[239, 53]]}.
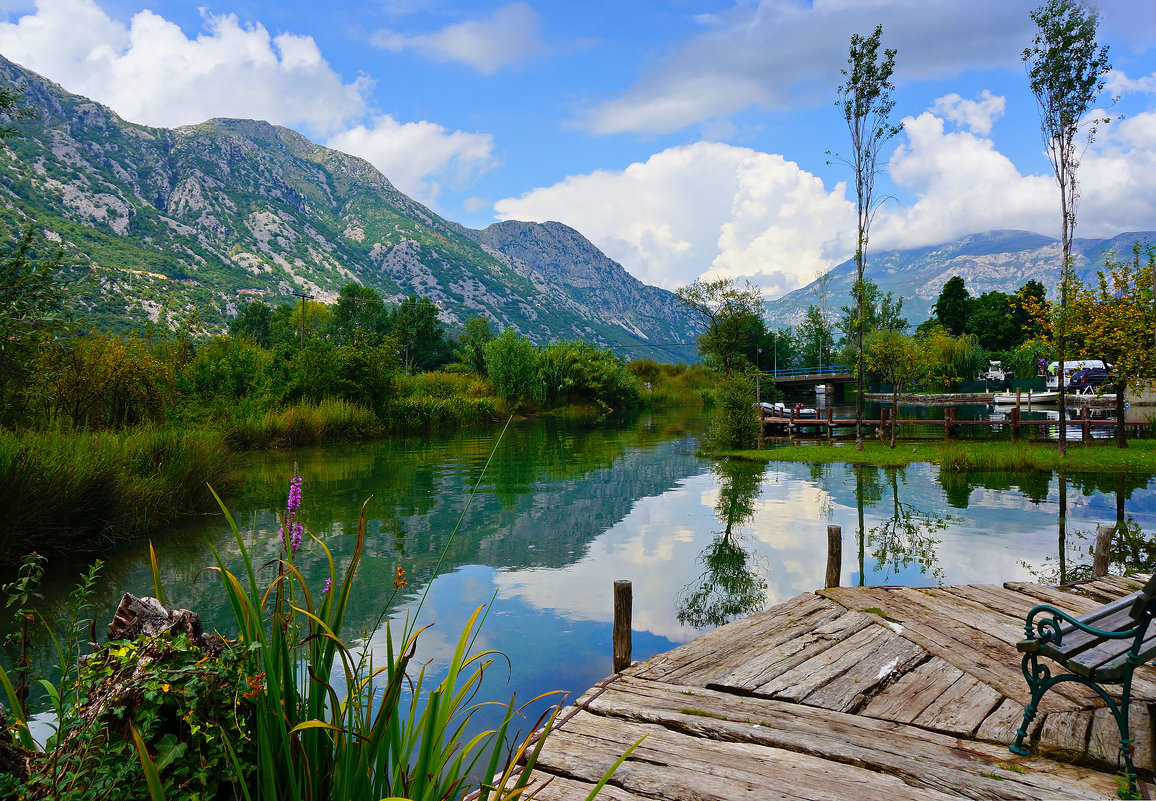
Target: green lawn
{"points": [[962, 455]]}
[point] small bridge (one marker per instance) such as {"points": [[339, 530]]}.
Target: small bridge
{"points": [[802, 376]]}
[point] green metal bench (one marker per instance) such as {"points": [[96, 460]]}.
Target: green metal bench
{"points": [[1101, 647]]}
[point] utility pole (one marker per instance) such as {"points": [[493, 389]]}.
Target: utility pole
{"points": [[303, 297]]}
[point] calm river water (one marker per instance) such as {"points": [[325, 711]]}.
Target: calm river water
{"points": [[568, 506]]}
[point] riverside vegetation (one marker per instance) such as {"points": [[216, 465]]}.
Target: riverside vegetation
{"points": [[291, 708], [104, 436]]}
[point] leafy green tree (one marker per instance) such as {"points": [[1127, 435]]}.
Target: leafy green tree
{"points": [[228, 369], [1115, 320], [951, 359], [359, 317], [471, 350], [33, 312], [107, 381], [816, 339], [866, 104], [512, 365], [993, 321], [254, 322], [882, 311], [732, 321], [734, 423], [953, 306], [1067, 71], [421, 337], [896, 359]]}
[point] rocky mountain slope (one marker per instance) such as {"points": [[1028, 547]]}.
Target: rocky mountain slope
{"points": [[997, 260], [203, 218]]}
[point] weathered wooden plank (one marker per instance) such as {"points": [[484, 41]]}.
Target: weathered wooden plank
{"points": [[1066, 733], [736, 642], [785, 653], [808, 676], [867, 675], [1069, 602], [544, 786], [913, 692], [1104, 737], [1011, 604], [973, 651], [1001, 725], [674, 766], [921, 758], [961, 709]]}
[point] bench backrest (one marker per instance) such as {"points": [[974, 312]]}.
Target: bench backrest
{"points": [[1144, 599]]}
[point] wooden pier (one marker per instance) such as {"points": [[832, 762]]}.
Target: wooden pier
{"points": [[863, 693], [793, 422]]}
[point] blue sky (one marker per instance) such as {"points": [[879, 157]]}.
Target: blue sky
{"points": [[686, 139]]}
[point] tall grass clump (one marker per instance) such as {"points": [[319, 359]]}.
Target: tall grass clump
{"points": [[301, 424], [76, 492], [422, 412]]}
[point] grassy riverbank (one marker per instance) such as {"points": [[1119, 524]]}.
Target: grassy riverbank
{"points": [[960, 456]]}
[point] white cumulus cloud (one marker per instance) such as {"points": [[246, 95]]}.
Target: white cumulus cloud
{"points": [[963, 184], [978, 114], [419, 157], [487, 45], [706, 209], [150, 72]]}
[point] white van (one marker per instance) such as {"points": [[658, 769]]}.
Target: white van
{"points": [[1053, 380]]}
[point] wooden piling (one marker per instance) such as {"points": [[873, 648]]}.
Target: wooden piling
{"points": [[1100, 555], [1015, 424], [1085, 423], [834, 556], [830, 424], [623, 603]]}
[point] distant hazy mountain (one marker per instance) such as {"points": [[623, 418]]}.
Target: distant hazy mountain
{"points": [[997, 260], [207, 217]]}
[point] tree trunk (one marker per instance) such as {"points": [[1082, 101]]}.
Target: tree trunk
{"points": [[1121, 431], [894, 413]]}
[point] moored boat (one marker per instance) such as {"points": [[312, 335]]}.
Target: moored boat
{"points": [[1009, 398]]}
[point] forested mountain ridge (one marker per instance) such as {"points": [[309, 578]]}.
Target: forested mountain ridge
{"points": [[192, 223]]}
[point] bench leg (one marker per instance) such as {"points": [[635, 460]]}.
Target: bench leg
{"points": [[1039, 681]]}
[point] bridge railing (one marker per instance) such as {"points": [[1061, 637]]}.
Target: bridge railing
{"points": [[805, 371]]}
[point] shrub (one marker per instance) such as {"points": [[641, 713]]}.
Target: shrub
{"points": [[734, 423]]}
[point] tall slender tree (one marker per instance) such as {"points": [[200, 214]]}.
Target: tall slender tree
{"points": [[866, 103], [1067, 70]]}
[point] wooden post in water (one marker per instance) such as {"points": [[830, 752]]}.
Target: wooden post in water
{"points": [[830, 425], [1100, 554], [834, 556], [1015, 424], [947, 422], [623, 603], [1085, 423]]}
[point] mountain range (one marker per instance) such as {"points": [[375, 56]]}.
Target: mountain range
{"points": [[994, 261], [205, 218], [186, 225]]}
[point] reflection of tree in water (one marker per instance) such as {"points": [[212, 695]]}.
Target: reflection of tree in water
{"points": [[1131, 549], [730, 586], [906, 537]]}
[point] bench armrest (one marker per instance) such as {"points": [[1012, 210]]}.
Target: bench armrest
{"points": [[1049, 630]]}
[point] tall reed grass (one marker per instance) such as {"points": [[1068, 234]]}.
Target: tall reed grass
{"points": [[300, 424], [78, 492]]}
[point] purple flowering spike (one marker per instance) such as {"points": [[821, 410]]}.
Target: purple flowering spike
{"points": [[328, 586]]}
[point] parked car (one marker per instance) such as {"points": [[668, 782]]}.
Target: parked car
{"points": [[1088, 378]]}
